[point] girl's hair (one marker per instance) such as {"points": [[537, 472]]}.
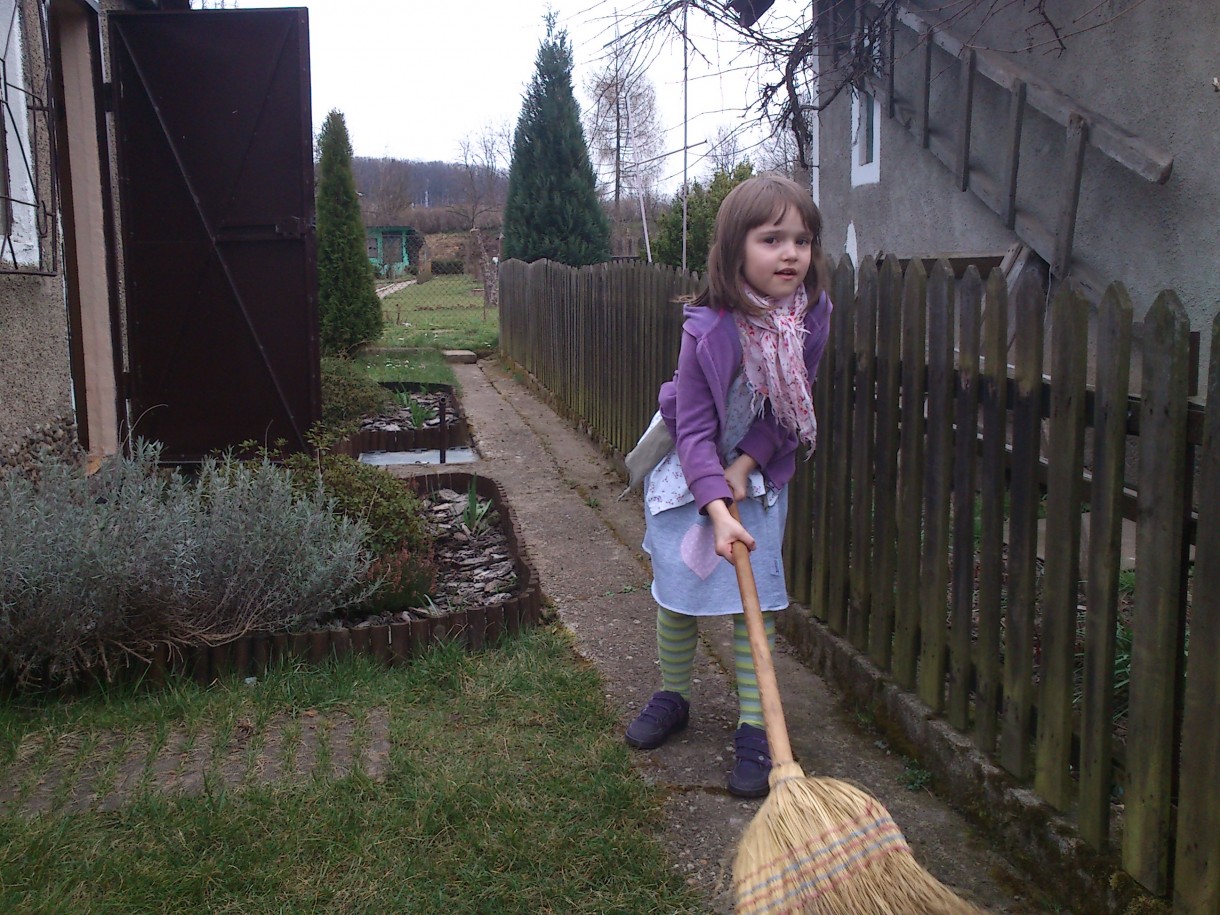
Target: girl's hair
{"points": [[757, 201]]}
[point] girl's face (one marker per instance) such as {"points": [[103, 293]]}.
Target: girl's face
{"points": [[777, 255]]}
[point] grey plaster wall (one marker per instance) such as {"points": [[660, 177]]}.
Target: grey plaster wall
{"points": [[1149, 70], [35, 377]]}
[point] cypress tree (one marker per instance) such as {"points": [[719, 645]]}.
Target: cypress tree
{"points": [[552, 210], [349, 312]]}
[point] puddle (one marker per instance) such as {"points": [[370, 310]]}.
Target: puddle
{"points": [[459, 455]]}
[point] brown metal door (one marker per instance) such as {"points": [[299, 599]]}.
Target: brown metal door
{"points": [[215, 165]]}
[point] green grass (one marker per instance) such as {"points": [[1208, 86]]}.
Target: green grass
{"points": [[422, 365], [507, 790], [445, 313]]}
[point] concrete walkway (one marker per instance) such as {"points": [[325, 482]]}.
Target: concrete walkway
{"points": [[585, 544]]}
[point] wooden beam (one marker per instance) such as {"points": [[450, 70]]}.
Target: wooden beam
{"points": [[1016, 120], [925, 93], [963, 123], [1073, 167], [1150, 162]]}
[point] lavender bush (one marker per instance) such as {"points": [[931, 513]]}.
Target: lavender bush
{"points": [[94, 569]]}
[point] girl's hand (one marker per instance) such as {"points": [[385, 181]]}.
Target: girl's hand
{"points": [[737, 474], [727, 530]]}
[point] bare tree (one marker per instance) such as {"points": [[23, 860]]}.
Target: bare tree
{"points": [[483, 175], [387, 188], [625, 135], [784, 48]]}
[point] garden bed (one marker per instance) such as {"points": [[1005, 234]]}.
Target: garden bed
{"points": [[429, 419], [474, 627]]}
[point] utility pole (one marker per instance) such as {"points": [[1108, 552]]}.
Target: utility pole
{"points": [[685, 127]]}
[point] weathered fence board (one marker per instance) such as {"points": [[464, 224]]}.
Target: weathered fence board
{"points": [[938, 471], [1197, 864], [1158, 616], [965, 447], [994, 395], [842, 335], [1069, 358], [1025, 496], [865, 316], [910, 476], [885, 524], [1105, 538]]}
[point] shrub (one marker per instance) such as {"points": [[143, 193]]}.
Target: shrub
{"points": [[389, 510], [448, 266], [94, 569], [396, 534], [347, 395]]}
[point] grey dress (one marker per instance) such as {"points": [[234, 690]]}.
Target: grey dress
{"points": [[688, 576]]}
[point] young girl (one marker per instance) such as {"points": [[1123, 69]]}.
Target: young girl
{"points": [[737, 408]]}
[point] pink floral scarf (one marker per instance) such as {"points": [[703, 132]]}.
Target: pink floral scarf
{"points": [[773, 348]]}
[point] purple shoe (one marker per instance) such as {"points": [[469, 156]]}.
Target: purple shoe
{"points": [[666, 713], [751, 775]]}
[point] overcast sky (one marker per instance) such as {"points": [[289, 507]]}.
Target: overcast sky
{"points": [[413, 78]]}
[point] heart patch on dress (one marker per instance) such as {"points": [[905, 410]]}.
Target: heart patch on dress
{"points": [[698, 550]]}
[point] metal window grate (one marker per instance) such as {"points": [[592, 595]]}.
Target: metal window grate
{"points": [[28, 191]]}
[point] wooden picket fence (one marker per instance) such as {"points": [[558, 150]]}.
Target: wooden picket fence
{"points": [[931, 448]]}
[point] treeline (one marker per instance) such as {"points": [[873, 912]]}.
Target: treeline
{"points": [[402, 192]]}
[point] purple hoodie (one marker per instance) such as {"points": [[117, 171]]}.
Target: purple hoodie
{"points": [[693, 403]]}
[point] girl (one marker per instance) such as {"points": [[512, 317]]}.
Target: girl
{"points": [[736, 409]]}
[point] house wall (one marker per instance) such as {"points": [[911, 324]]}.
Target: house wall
{"points": [[57, 346], [35, 365], [1149, 71]]}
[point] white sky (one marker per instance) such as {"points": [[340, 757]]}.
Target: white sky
{"points": [[413, 78]]}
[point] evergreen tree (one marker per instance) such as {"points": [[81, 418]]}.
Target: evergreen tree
{"points": [[552, 209], [702, 205], [349, 312]]}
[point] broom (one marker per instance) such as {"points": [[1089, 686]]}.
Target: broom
{"points": [[820, 846]]}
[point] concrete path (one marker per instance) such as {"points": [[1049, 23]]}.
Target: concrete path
{"points": [[584, 542]]}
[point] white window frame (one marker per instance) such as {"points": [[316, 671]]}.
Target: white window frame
{"points": [[865, 156]]}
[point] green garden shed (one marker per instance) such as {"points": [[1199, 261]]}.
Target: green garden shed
{"points": [[393, 249]]}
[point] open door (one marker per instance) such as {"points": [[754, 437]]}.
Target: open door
{"points": [[216, 191]]}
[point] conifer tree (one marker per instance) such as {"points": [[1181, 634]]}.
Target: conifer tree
{"points": [[552, 210], [349, 312], [702, 205]]}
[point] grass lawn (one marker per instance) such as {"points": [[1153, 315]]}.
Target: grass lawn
{"points": [[423, 365], [506, 789], [444, 313]]}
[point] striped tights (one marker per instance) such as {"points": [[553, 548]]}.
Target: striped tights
{"points": [[677, 636]]}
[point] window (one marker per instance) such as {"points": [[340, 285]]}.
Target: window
{"points": [[27, 191], [865, 138]]}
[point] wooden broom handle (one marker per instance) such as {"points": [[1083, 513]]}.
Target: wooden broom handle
{"points": [[764, 669]]}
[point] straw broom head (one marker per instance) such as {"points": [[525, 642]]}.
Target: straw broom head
{"points": [[820, 846]]}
